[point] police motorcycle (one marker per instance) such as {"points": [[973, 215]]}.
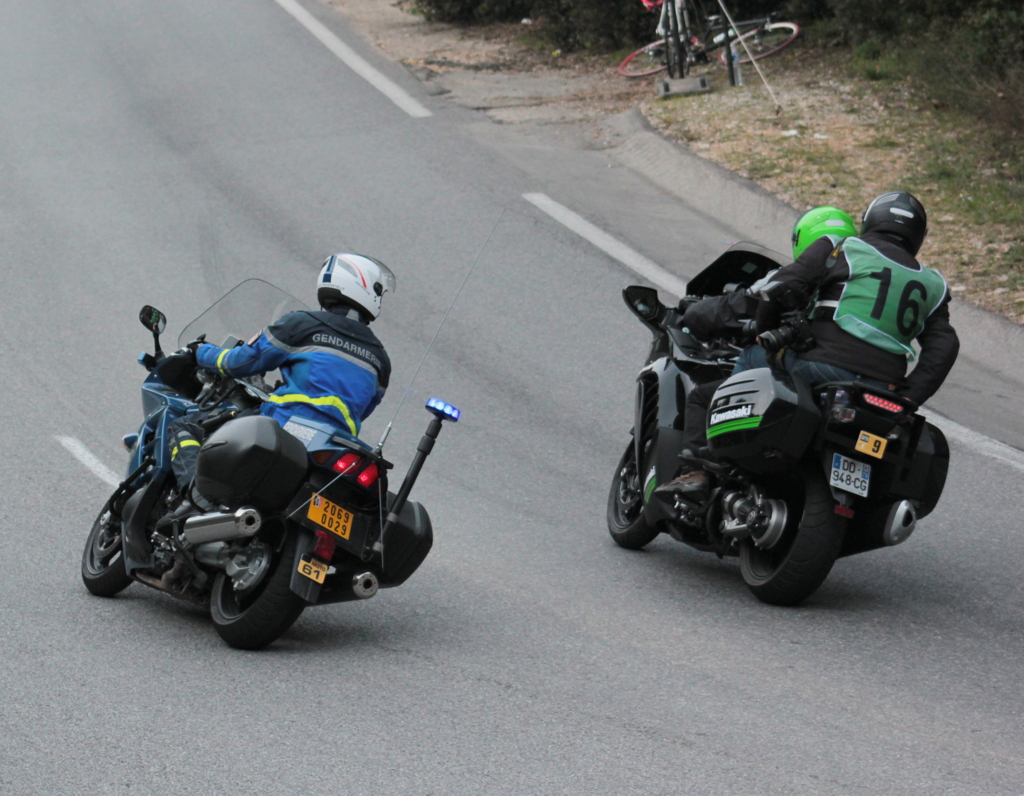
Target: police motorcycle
{"points": [[298, 515], [800, 477]]}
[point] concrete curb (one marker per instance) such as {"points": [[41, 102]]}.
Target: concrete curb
{"points": [[715, 191]]}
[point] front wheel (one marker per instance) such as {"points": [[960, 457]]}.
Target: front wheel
{"points": [[626, 522], [253, 619], [764, 41], [798, 564], [103, 569], [648, 60]]}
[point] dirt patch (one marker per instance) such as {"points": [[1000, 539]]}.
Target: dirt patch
{"points": [[839, 139]]}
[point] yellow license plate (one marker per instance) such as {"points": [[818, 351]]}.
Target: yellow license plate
{"points": [[330, 516], [312, 568], [871, 445]]}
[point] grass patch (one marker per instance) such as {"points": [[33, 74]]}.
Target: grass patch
{"points": [[884, 142], [973, 173]]}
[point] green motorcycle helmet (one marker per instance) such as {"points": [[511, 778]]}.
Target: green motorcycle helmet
{"points": [[819, 222]]}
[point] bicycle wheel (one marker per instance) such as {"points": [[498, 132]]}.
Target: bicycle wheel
{"points": [[648, 60], [763, 42]]}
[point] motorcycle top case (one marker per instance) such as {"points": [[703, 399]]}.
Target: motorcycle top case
{"points": [[762, 419], [251, 461]]}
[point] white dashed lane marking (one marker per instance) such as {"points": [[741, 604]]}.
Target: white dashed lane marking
{"points": [[86, 457], [355, 62]]}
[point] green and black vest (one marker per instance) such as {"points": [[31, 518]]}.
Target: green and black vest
{"points": [[884, 303]]}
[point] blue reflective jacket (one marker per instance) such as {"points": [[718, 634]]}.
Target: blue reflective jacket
{"points": [[334, 368]]}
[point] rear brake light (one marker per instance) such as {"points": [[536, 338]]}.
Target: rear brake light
{"points": [[324, 546], [347, 463], [882, 403], [368, 477]]}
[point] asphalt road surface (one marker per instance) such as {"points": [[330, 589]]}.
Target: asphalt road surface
{"points": [[162, 152]]}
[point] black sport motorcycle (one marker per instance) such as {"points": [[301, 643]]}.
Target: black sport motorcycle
{"points": [[800, 477], [297, 515]]}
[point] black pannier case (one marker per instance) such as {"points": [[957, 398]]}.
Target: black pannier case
{"points": [[251, 461], [762, 419]]}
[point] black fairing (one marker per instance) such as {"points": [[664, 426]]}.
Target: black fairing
{"points": [[763, 420], [251, 461], [741, 265], [135, 522], [661, 393]]}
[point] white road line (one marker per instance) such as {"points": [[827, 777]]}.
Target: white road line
{"points": [[649, 270], [85, 456], [354, 61]]}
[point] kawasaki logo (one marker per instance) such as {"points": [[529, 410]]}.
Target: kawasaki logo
{"points": [[731, 414]]}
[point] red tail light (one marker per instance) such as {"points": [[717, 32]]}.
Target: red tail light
{"points": [[368, 477], [324, 546], [347, 463], [882, 403]]}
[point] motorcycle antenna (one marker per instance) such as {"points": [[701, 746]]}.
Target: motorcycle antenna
{"points": [[469, 273]]}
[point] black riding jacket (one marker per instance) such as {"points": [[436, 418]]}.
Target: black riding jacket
{"points": [[816, 275]]}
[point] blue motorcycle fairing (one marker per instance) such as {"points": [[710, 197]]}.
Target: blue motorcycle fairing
{"points": [[162, 406]]}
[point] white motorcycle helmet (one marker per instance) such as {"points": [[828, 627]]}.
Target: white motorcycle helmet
{"points": [[354, 280]]}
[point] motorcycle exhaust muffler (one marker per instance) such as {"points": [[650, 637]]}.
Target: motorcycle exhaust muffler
{"points": [[364, 585], [222, 527], [900, 523]]}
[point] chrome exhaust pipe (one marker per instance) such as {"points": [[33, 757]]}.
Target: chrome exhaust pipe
{"points": [[900, 523], [364, 585], [221, 527]]}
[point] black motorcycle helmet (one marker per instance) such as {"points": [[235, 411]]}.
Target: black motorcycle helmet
{"points": [[898, 213]]}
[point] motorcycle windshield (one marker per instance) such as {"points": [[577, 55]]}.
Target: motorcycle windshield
{"points": [[241, 313], [739, 266]]}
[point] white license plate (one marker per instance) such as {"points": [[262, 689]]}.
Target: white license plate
{"points": [[850, 475]]}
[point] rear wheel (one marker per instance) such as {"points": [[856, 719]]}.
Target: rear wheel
{"points": [[648, 60], [626, 522], [798, 564], [763, 42], [252, 619], [103, 569]]}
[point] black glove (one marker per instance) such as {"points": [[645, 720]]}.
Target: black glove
{"points": [[194, 345]]}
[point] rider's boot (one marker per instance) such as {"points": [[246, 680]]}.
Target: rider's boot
{"points": [[692, 484]]}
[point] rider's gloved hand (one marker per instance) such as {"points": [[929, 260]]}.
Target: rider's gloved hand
{"points": [[194, 345], [188, 353]]}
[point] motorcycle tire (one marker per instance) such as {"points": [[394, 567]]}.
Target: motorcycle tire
{"points": [[626, 522], [103, 569], [252, 621], [794, 568]]}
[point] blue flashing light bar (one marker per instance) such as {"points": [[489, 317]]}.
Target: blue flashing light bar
{"points": [[443, 410]]}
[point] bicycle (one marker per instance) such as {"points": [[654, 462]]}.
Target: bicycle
{"points": [[684, 45]]}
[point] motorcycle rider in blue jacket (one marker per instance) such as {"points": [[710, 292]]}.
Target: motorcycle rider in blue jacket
{"points": [[334, 369]]}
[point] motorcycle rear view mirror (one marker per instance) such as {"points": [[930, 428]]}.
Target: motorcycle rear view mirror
{"points": [[644, 303], [155, 321]]}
